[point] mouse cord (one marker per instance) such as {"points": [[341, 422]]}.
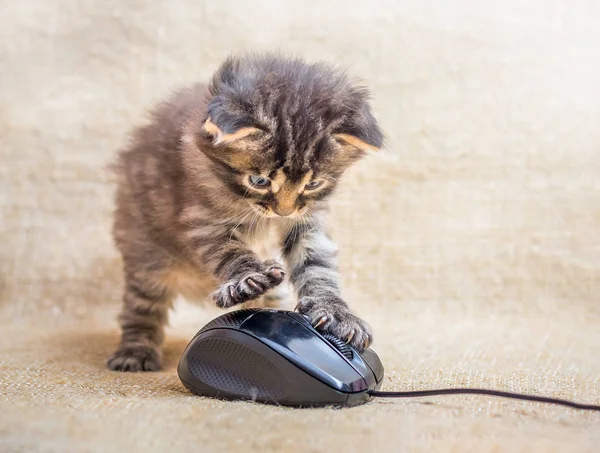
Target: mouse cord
{"points": [[454, 391]]}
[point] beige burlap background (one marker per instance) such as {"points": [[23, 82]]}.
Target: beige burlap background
{"points": [[472, 244]]}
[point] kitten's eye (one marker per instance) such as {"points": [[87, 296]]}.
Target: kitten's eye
{"points": [[259, 181], [313, 185]]}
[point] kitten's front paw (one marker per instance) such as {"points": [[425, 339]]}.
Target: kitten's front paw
{"points": [[338, 320], [250, 286], [135, 358]]}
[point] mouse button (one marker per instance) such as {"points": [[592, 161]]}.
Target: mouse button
{"points": [[362, 367], [374, 363], [268, 322], [355, 359], [305, 349], [230, 320]]}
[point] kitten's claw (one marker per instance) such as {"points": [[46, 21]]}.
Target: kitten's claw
{"points": [[349, 339], [254, 284], [321, 321], [334, 317], [276, 273], [226, 296]]}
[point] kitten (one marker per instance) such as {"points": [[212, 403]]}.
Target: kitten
{"points": [[253, 156]]}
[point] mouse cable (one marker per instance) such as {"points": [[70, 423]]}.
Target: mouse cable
{"points": [[475, 391]]}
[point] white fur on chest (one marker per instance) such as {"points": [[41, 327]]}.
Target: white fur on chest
{"points": [[265, 239]]}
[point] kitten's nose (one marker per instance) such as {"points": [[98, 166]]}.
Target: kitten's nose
{"points": [[285, 201], [284, 211]]}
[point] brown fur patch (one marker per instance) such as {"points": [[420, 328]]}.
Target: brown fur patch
{"points": [[240, 160]]}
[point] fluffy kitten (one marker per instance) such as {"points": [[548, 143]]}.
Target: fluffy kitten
{"points": [[253, 156]]}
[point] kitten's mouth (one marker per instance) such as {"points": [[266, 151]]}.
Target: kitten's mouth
{"points": [[265, 211]]}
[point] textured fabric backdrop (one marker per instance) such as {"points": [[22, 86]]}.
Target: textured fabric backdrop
{"points": [[472, 244]]}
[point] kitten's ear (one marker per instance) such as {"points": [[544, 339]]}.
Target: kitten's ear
{"points": [[360, 131], [346, 140], [220, 137]]}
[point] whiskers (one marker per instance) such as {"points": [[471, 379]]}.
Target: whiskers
{"points": [[258, 222], [243, 217], [240, 218], [254, 221]]}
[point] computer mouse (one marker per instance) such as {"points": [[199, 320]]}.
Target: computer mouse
{"points": [[277, 357]]}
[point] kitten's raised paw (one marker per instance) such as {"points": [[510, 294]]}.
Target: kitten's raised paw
{"points": [[339, 321], [249, 287], [135, 358]]}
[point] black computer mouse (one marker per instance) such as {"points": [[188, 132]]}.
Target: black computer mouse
{"points": [[276, 356]]}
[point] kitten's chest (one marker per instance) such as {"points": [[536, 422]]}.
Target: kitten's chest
{"points": [[265, 238]]}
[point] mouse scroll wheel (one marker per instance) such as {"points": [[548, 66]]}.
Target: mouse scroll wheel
{"points": [[339, 345]]}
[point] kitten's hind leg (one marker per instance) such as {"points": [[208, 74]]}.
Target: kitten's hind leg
{"points": [[146, 302]]}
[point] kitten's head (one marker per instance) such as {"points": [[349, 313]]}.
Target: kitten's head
{"points": [[283, 131]]}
